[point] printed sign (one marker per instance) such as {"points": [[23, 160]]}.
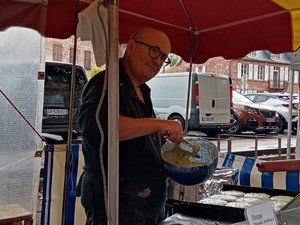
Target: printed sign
{"points": [[262, 214]]}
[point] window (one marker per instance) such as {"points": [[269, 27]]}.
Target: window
{"points": [[252, 54], [251, 97], [57, 52], [275, 56], [261, 98], [87, 60], [260, 72], [71, 55], [275, 83], [244, 70]]}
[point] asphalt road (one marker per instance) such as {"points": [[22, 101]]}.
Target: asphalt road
{"points": [[249, 141]]}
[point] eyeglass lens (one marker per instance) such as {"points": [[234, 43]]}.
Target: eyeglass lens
{"points": [[155, 52]]}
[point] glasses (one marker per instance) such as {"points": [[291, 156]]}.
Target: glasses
{"points": [[155, 52]]}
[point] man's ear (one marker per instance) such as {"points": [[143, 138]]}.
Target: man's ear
{"points": [[131, 45]]}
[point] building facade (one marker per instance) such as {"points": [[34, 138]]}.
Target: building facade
{"points": [[63, 50], [259, 71]]}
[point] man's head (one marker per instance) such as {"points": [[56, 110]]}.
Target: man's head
{"points": [[146, 52]]}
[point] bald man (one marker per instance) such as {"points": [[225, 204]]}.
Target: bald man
{"points": [[142, 179]]}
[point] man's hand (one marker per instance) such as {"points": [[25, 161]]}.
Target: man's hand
{"points": [[174, 131]]}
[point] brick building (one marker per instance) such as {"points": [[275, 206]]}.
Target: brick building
{"points": [[259, 71], [63, 50]]}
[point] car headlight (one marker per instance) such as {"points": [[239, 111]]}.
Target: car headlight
{"points": [[248, 109]]}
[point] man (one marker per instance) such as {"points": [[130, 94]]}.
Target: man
{"points": [[142, 180]]}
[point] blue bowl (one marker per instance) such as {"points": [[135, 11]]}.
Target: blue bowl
{"points": [[206, 162]]}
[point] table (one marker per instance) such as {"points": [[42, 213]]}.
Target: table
{"points": [[14, 214]]}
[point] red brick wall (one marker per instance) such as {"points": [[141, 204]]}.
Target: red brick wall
{"points": [[230, 68], [214, 65], [67, 44]]}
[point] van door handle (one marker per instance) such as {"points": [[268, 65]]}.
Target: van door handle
{"points": [[213, 103]]}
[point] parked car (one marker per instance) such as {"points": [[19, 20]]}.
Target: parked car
{"points": [[249, 116], [280, 102], [209, 105], [57, 98]]}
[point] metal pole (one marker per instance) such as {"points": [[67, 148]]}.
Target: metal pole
{"points": [[70, 124], [279, 147], [189, 88], [229, 145], [298, 123], [113, 112], [256, 147], [289, 134], [219, 143]]}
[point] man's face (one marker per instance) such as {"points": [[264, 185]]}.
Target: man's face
{"points": [[147, 54]]}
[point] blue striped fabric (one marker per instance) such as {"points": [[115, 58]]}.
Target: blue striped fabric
{"points": [[245, 172], [250, 176], [72, 185], [54, 169]]}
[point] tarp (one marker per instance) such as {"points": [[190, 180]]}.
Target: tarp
{"points": [[220, 28]]}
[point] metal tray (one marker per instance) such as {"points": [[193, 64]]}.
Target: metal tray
{"points": [[221, 213]]}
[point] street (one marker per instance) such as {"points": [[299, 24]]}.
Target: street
{"points": [[248, 142]]}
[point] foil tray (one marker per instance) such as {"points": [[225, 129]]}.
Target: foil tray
{"points": [[221, 214]]}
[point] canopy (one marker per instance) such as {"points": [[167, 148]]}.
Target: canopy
{"points": [[219, 28], [198, 29]]}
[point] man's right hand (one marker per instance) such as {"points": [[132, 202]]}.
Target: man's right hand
{"points": [[173, 131]]}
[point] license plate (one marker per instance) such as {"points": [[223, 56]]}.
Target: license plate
{"points": [[269, 120], [57, 112], [208, 119]]}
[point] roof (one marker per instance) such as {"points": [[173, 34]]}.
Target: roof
{"points": [[266, 56]]}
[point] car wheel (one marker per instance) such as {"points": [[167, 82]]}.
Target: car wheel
{"points": [[281, 125], [179, 118], [236, 126]]}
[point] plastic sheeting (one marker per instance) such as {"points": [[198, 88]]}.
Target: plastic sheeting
{"points": [[20, 54]]}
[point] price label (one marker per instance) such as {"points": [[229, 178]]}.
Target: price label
{"points": [[261, 214]]}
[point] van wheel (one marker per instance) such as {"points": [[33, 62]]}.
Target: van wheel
{"points": [[236, 126], [179, 118]]}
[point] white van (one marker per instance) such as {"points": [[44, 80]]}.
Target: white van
{"points": [[210, 100]]}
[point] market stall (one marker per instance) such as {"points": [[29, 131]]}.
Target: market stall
{"points": [[198, 30]]}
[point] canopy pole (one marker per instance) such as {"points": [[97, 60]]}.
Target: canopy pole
{"points": [[70, 124], [298, 123], [289, 133], [113, 112], [189, 84]]}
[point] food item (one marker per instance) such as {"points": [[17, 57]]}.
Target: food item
{"points": [[228, 198], [282, 198], [248, 200], [257, 195], [242, 205], [211, 201], [278, 205], [183, 157], [233, 193]]}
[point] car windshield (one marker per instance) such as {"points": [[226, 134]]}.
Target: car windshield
{"points": [[237, 97]]}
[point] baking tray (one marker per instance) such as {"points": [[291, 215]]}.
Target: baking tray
{"points": [[221, 213]]}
